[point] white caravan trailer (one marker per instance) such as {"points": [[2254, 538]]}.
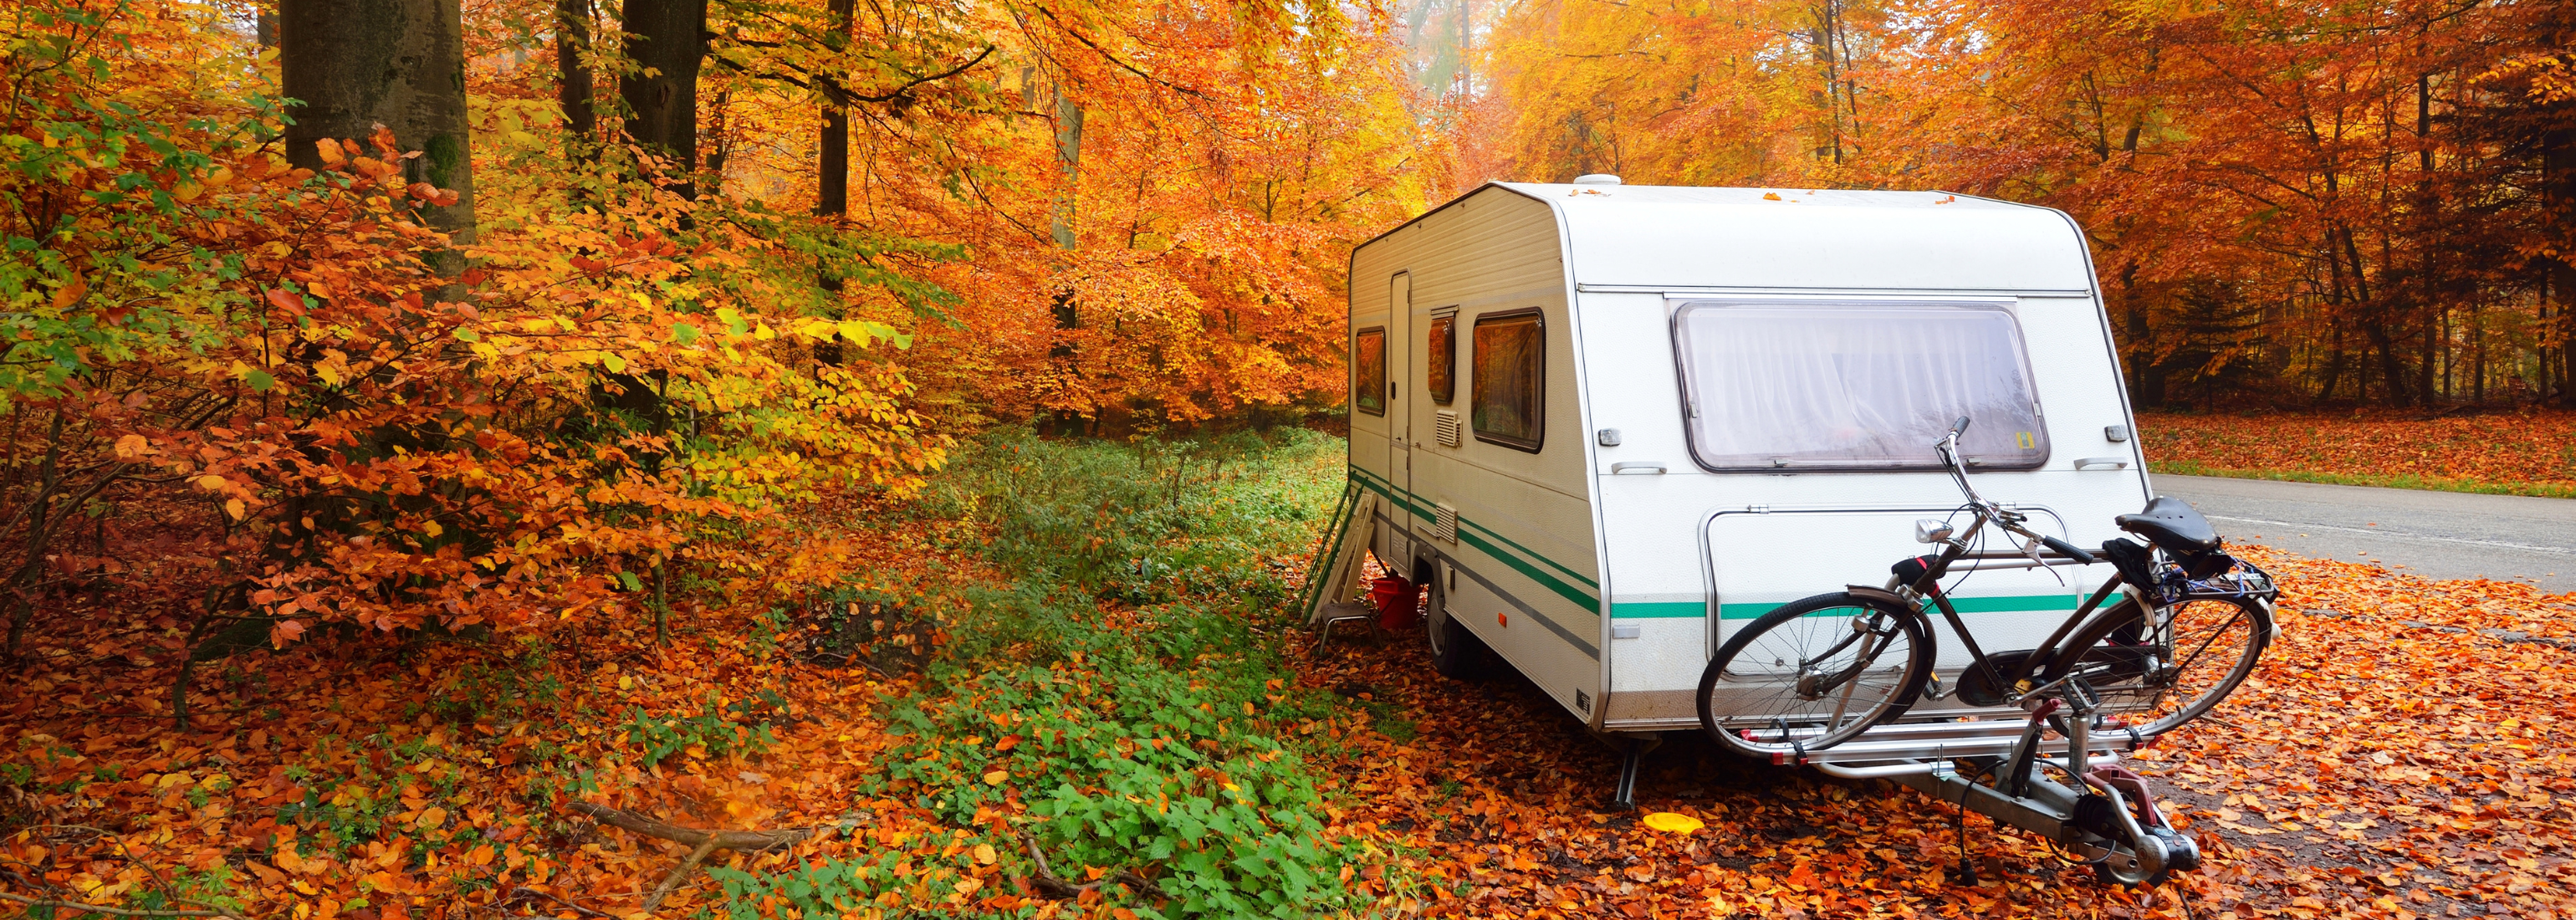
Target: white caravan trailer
{"points": [[1609, 423]]}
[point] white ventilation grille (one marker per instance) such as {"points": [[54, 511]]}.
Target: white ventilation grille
{"points": [[1444, 424], [1444, 523]]}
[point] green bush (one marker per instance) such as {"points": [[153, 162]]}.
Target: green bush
{"points": [[1155, 742]]}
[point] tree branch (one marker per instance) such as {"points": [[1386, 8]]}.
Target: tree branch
{"points": [[673, 880], [839, 95], [1112, 58], [705, 841], [114, 911], [724, 840]]}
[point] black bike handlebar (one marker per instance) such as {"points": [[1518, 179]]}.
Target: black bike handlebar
{"points": [[2069, 550]]}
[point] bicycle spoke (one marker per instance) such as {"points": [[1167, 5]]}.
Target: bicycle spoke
{"points": [[1822, 672], [2202, 649]]}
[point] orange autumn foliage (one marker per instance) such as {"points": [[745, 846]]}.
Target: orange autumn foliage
{"points": [[260, 363], [2288, 201]]}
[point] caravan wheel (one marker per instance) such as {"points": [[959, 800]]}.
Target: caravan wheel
{"points": [[1456, 652]]}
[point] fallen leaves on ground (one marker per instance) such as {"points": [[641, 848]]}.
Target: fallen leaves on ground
{"points": [[2526, 452], [371, 779], [2403, 752]]}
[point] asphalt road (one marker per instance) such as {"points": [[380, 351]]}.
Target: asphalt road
{"points": [[2432, 534]]}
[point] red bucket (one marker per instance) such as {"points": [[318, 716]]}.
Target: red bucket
{"points": [[1399, 603]]}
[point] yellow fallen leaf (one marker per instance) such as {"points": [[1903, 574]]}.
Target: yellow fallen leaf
{"points": [[996, 777], [1672, 822]]}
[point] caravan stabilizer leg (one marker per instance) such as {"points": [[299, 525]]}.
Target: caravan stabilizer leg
{"points": [[1632, 760]]}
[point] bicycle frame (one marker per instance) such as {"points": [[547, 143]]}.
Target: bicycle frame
{"points": [[1924, 591]]}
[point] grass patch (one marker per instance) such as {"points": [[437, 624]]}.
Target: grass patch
{"points": [[1120, 709], [2392, 481]]}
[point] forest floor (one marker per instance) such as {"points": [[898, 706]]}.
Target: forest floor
{"points": [[1072, 689], [2512, 452]]}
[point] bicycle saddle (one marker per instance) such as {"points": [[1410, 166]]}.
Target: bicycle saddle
{"points": [[2173, 524]]}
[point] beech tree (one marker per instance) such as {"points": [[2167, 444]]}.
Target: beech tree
{"points": [[356, 64], [665, 45]]}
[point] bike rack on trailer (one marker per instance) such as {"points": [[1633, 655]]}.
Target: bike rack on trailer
{"points": [[1995, 767]]}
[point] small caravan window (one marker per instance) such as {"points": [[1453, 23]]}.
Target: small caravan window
{"points": [[1509, 373], [1368, 371], [1814, 385], [1443, 364]]}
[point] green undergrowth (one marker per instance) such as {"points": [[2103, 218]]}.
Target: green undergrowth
{"points": [[2403, 481], [1122, 707]]}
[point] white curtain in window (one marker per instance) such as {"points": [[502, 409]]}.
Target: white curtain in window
{"points": [[1848, 385]]}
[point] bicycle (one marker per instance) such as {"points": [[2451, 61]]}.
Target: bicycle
{"points": [[2188, 626]]}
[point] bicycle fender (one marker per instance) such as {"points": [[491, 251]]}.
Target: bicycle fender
{"points": [[2271, 612], [1880, 594]]}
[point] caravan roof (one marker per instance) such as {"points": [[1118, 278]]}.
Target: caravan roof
{"points": [[1649, 237]]}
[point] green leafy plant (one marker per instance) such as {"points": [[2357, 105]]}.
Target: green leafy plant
{"points": [[717, 729], [1152, 747]]}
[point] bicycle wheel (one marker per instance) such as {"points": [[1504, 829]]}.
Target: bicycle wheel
{"points": [[1814, 673], [2172, 669]]}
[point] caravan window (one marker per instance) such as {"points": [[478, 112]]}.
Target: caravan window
{"points": [[1508, 378], [1443, 364], [1368, 371], [1855, 385]]}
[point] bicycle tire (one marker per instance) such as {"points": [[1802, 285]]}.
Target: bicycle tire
{"points": [[2205, 650], [1819, 625]]}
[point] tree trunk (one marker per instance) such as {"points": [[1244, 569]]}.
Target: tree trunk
{"points": [[399, 63], [1068, 154], [1067, 307], [575, 84], [2147, 379], [834, 198], [2558, 197], [832, 194], [666, 41]]}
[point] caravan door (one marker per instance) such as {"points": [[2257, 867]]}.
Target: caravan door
{"points": [[1399, 418]]}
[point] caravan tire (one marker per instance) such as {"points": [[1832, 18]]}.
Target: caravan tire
{"points": [[1456, 651]]}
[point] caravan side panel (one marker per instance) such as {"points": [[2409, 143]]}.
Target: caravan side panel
{"points": [[1519, 564]]}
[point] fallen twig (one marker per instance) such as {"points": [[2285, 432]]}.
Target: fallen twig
{"points": [[704, 842], [1058, 888], [584, 911], [724, 840], [673, 880], [114, 911]]}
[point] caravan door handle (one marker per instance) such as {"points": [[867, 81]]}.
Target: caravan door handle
{"points": [[1637, 466], [2102, 463]]}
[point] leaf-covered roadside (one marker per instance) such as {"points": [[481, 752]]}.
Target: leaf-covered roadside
{"points": [[2530, 452], [2403, 752]]}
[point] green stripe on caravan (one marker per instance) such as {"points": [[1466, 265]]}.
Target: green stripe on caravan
{"points": [[1413, 503], [1686, 610]]}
